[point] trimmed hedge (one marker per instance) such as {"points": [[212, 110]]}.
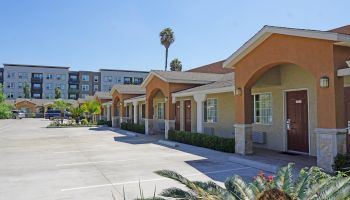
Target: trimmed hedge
{"points": [[138, 128], [203, 140], [342, 163]]}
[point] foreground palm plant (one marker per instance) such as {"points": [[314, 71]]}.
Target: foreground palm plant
{"points": [[311, 183]]}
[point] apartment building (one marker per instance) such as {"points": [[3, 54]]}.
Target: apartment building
{"points": [[1, 76], [42, 80], [89, 83], [110, 77], [73, 85]]}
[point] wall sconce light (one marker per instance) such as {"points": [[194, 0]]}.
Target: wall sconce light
{"points": [[166, 99], [324, 82], [238, 91]]}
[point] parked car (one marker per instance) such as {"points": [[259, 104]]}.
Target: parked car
{"points": [[18, 114], [50, 114]]}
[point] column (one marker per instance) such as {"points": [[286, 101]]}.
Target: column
{"points": [[108, 112], [149, 116], [169, 120], [244, 120], [135, 104], [200, 98]]}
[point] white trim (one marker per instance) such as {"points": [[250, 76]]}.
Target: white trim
{"points": [[266, 31], [285, 118], [209, 91], [343, 72], [134, 99], [217, 110], [258, 93]]}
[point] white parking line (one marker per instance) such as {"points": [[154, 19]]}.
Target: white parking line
{"points": [[96, 162], [73, 151], [150, 180]]}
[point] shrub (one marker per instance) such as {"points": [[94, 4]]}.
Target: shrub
{"points": [[342, 163], [84, 122], [101, 122], [203, 140], [109, 123], [138, 128]]}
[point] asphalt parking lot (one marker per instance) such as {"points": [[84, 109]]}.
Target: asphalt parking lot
{"points": [[92, 163]]}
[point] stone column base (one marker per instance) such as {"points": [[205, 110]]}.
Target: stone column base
{"points": [[243, 139], [148, 126], [330, 142], [169, 125]]}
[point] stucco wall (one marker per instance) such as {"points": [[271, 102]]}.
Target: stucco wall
{"points": [[291, 77]]}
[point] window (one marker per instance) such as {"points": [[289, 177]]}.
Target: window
{"points": [[95, 87], [119, 80], [49, 96], [127, 80], [160, 110], [85, 87], [9, 95], [73, 86], [36, 95], [72, 96], [20, 85], [37, 75], [22, 75], [20, 95], [10, 74], [11, 85], [49, 86], [107, 88], [61, 77], [36, 85], [211, 110], [95, 79], [108, 79], [85, 77], [143, 111], [138, 81], [73, 77], [263, 108], [84, 95], [49, 76]]}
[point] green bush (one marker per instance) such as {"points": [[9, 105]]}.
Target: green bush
{"points": [[109, 123], [84, 122], [138, 128], [101, 122], [203, 140], [342, 163]]}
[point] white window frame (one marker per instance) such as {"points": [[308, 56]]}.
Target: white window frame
{"points": [[212, 119], [160, 112], [85, 77], [95, 88], [85, 88], [49, 76], [264, 120], [96, 79]]}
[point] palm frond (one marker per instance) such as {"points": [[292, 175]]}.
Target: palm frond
{"points": [[239, 188], [284, 178], [214, 190], [177, 193], [260, 184], [339, 188]]}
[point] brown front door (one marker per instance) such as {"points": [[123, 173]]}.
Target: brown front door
{"points": [[187, 115], [297, 121], [347, 112], [177, 115]]}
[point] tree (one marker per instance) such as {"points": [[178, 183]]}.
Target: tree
{"points": [[76, 113], [62, 106], [57, 93], [26, 90], [93, 108], [175, 65], [5, 109], [311, 183], [166, 39]]}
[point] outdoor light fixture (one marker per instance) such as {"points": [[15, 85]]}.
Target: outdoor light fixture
{"points": [[324, 82], [238, 91], [166, 99]]}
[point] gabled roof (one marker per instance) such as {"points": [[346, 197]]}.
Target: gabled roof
{"points": [[138, 98], [42, 102], [226, 84], [266, 31], [182, 77], [215, 68], [128, 89], [103, 95]]}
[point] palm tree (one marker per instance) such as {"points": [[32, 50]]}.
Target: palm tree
{"points": [[166, 39], [76, 113], [175, 65], [62, 106], [311, 183], [57, 93], [93, 108]]}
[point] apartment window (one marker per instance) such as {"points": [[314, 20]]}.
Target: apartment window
{"points": [[11, 85], [49, 76], [73, 86], [22, 75], [49, 96], [263, 108], [138, 80], [108, 79], [160, 110], [85, 77], [84, 95], [37, 75], [95, 79], [211, 110], [72, 96], [61, 77], [20, 95], [119, 80], [10, 74], [127, 80], [143, 111], [95, 87], [36, 95], [36, 85], [20, 85], [10, 95], [85, 87]]}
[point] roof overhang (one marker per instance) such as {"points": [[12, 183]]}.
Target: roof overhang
{"points": [[135, 99], [267, 31], [209, 91], [149, 78], [343, 72]]}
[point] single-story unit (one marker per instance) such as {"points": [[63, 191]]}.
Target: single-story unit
{"points": [[103, 98]]}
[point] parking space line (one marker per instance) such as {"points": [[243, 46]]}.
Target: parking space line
{"points": [[73, 151], [150, 180], [96, 162]]}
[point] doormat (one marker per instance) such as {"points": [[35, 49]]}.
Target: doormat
{"points": [[290, 153]]}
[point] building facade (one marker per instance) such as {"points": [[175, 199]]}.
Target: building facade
{"points": [[42, 81], [89, 83], [1, 76], [110, 77], [73, 85]]}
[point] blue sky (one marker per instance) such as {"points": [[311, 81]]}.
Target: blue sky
{"points": [[93, 34]]}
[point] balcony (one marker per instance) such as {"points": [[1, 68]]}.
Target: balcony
{"points": [[37, 89], [37, 79], [73, 81], [73, 90]]}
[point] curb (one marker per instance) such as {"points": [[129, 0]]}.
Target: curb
{"points": [[168, 143], [131, 134], [254, 164]]}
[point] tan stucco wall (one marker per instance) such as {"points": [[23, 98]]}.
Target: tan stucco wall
{"points": [[291, 77]]}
